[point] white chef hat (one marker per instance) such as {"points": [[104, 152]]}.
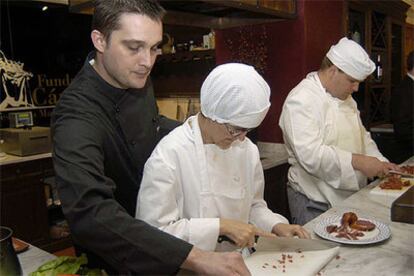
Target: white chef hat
{"points": [[351, 58], [236, 94]]}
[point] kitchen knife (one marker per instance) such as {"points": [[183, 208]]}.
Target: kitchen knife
{"points": [[245, 251], [281, 244], [405, 175]]}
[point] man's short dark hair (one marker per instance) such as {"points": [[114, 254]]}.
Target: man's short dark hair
{"points": [[325, 64], [107, 13], [410, 61]]}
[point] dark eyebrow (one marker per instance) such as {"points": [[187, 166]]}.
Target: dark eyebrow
{"points": [[133, 41], [138, 42], [158, 43]]}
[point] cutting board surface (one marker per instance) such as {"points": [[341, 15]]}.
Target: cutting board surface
{"points": [[291, 263], [392, 193]]}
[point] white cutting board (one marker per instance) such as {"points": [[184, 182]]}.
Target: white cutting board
{"points": [[391, 193], [303, 263]]}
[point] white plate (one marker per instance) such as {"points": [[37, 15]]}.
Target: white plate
{"points": [[379, 234]]}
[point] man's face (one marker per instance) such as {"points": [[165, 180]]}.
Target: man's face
{"points": [[343, 85], [129, 54]]}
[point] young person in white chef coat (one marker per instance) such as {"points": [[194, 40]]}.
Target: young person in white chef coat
{"points": [[205, 178], [330, 152]]}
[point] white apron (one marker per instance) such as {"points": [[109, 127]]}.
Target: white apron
{"points": [[349, 132], [224, 192]]}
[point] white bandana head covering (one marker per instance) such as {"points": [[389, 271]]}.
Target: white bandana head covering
{"points": [[236, 94], [351, 58]]}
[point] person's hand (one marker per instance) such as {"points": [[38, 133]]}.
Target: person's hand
{"points": [[371, 166], [243, 234], [215, 263], [290, 230]]}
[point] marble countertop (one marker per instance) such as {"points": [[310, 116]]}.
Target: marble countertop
{"points": [[272, 154], [12, 159], [394, 256], [32, 258]]}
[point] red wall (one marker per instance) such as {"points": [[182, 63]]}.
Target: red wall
{"points": [[293, 48]]}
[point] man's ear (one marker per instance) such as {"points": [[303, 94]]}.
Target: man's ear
{"points": [[98, 40], [332, 70]]}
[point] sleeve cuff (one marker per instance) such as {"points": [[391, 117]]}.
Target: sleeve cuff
{"points": [[204, 233], [348, 180], [275, 220]]}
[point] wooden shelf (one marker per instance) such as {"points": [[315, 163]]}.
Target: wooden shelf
{"points": [[182, 73], [187, 56], [378, 49], [381, 25]]}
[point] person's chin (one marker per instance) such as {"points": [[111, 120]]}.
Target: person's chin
{"points": [[139, 82], [344, 97], [224, 146]]}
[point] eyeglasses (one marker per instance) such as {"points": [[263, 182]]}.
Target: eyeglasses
{"points": [[236, 131]]}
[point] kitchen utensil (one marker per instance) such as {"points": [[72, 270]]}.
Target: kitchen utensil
{"points": [[9, 264], [282, 244], [290, 256], [394, 194], [404, 175], [245, 251]]}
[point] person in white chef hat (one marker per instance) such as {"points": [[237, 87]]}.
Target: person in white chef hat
{"points": [[205, 180], [330, 152]]}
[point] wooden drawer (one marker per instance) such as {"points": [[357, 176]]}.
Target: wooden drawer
{"points": [[17, 169]]}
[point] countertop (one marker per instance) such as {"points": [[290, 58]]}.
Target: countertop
{"points": [[12, 159], [32, 258], [394, 256], [272, 154]]}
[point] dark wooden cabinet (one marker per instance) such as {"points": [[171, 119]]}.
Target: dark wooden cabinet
{"points": [[379, 26], [182, 74], [217, 14], [285, 6], [23, 202]]}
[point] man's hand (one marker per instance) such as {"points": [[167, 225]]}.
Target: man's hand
{"points": [[243, 234], [371, 166], [215, 263], [290, 230]]}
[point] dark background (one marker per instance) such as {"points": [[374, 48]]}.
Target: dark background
{"points": [[52, 42]]}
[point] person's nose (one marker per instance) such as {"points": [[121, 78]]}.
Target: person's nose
{"points": [[146, 59]]}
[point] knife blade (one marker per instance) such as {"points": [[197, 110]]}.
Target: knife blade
{"points": [[282, 244], [405, 175]]}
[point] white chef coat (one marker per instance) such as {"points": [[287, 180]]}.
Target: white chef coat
{"points": [[321, 132], [187, 186]]}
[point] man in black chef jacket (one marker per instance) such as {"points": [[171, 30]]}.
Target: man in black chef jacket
{"points": [[402, 113], [105, 126]]}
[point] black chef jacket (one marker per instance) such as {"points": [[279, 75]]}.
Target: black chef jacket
{"points": [[402, 116], [102, 137]]}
